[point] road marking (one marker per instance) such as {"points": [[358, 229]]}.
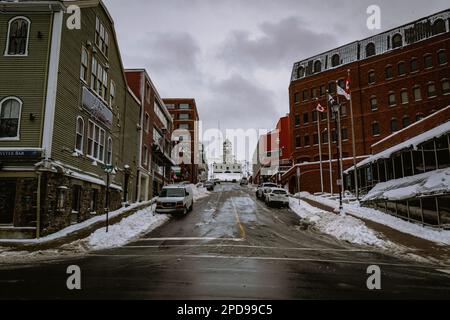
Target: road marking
{"points": [[365, 263], [244, 246], [190, 239], [241, 227]]}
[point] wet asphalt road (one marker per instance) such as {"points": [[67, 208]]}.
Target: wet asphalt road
{"points": [[230, 247]]}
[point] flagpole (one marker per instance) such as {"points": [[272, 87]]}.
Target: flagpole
{"points": [[320, 148], [353, 142], [339, 151], [330, 156]]}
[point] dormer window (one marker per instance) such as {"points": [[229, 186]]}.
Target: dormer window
{"points": [[370, 49], [397, 41], [18, 36], [335, 60], [317, 66]]}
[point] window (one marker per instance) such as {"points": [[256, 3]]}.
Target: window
{"points": [[371, 77], [325, 137], [101, 37], [305, 95], [18, 35], [94, 82], [401, 69], [442, 57], [112, 94], [185, 106], [94, 201], [76, 198], [313, 93], [84, 64], [145, 155], [404, 96], [109, 147], [389, 72], [315, 139], [297, 120], [438, 27], [417, 93], [314, 116], [445, 86], [79, 135], [300, 72], [394, 125], [431, 90], [96, 141], [373, 104], [184, 116], [406, 122], [344, 134], [375, 129], [146, 122], [10, 110], [322, 90], [305, 118], [183, 126], [317, 66], [159, 113], [306, 138], [297, 97], [170, 106], [397, 41], [391, 99], [99, 79], [428, 61], [335, 60], [370, 49], [414, 66], [419, 117], [298, 142]]}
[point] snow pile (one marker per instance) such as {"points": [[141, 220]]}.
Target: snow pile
{"points": [[128, 229], [345, 228], [438, 236], [434, 182], [77, 227], [199, 192]]}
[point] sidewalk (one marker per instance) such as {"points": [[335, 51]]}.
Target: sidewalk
{"points": [[418, 246], [74, 232]]}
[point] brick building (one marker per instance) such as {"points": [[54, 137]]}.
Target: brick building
{"points": [[155, 163], [398, 77], [185, 136]]}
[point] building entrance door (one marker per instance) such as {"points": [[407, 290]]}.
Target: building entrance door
{"points": [[7, 200]]}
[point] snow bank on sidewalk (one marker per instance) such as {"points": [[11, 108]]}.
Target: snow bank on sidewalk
{"points": [[345, 228], [438, 236], [129, 228], [199, 192]]}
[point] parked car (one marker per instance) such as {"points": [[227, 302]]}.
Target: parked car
{"points": [[244, 182], [209, 185], [216, 181], [175, 199], [260, 190], [276, 196]]}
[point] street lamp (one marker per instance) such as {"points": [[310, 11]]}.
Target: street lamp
{"points": [[127, 172], [336, 110], [110, 173]]}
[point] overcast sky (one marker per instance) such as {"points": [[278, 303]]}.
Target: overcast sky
{"points": [[235, 56]]}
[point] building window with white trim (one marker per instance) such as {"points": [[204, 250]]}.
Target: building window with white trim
{"points": [[101, 37], [10, 110], [445, 86], [84, 64], [96, 142], [442, 57], [112, 94], [417, 93], [18, 37], [145, 155], [94, 82], [431, 90], [101, 149], [79, 135], [404, 96], [109, 151]]}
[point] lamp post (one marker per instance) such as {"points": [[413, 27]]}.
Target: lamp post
{"points": [[127, 172], [336, 110], [110, 173]]}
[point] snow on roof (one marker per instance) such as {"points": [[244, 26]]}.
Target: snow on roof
{"points": [[426, 184], [411, 143]]}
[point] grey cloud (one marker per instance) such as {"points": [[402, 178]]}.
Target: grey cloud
{"points": [[281, 44]]}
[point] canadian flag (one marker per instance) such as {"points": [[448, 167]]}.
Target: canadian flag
{"points": [[348, 83], [320, 108]]}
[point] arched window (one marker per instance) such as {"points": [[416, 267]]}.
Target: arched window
{"points": [[300, 72], [80, 135], [397, 41], [335, 60], [10, 109], [84, 64], [317, 66], [438, 27], [109, 151], [370, 49], [18, 35]]}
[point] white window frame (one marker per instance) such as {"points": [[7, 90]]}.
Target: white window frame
{"points": [[101, 37], [85, 79], [17, 137], [8, 36], [77, 132], [112, 94], [99, 142], [109, 150]]}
